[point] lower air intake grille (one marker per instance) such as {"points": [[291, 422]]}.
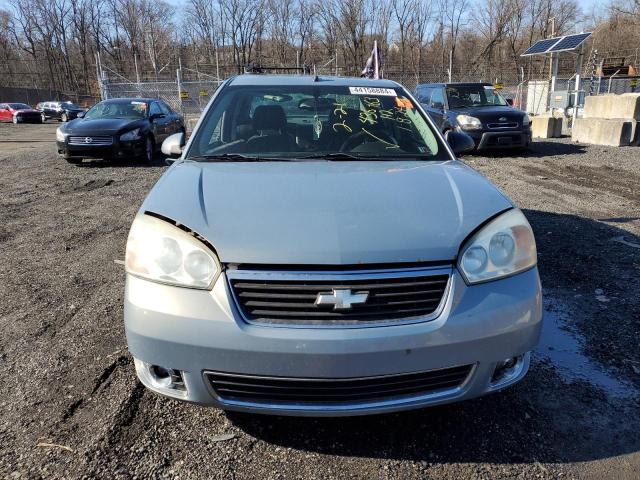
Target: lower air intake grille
{"points": [[350, 298], [281, 390]]}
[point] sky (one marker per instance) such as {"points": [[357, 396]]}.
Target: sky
{"points": [[586, 5]]}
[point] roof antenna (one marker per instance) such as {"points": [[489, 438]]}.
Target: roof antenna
{"points": [[315, 79]]}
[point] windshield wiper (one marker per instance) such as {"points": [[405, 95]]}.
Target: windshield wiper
{"points": [[334, 156], [233, 157]]}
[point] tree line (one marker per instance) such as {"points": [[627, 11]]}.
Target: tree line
{"points": [[55, 43]]}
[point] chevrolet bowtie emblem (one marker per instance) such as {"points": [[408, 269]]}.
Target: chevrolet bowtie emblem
{"points": [[341, 299]]}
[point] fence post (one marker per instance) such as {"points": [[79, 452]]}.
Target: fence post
{"points": [[179, 81]]}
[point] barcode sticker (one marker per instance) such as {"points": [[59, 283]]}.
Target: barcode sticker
{"points": [[387, 92]]}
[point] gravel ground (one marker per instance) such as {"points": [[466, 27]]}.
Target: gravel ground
{"points": [[72, 407]]}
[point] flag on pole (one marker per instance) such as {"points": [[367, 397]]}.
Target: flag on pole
{"points": [[373, 68]]}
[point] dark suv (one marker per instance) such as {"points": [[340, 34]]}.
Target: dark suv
{"points": [[478, 110]]}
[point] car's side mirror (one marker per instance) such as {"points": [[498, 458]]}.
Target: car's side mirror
{"points": [[80, 114], [510, 102], [459, 142], [156, 116], [172, 146]]}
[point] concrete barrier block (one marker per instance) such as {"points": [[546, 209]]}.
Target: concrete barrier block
{"points": [[602, 131], [626, 106], [546, 127]]}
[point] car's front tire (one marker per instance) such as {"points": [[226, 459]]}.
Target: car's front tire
{"points": [[43, 118], [15, 119], [149, 150], [64, 117]]}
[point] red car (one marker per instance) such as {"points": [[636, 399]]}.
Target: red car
{"points": [[19, 113]]}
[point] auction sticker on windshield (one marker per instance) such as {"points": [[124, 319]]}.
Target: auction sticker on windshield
{"points": [[389, 92]]}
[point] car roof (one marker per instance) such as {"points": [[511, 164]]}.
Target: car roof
{"points": [[454, 84], [259, 79]]}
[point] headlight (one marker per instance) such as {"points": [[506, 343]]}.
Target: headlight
{"points": [[469, 123], [59, 135], [525, 121], [161, 252], [503, 247], [132, 135]]}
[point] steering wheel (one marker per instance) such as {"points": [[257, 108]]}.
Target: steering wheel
{"points": [[362, 136]]}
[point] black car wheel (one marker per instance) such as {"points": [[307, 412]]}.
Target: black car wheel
{"points": [[15, 119], [43, 118], [64, 117], [149, 149]]}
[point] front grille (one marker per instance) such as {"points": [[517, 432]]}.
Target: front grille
{"points": [[502, 125], [231, 388], [291, 298], [91, 140]]}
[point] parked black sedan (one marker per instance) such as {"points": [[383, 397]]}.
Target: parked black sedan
{"points": [[478, 110], [119, 128], [61, 111]]}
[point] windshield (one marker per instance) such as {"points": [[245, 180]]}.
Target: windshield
{"points": [[314, 121], [462, 96], [127, 109], [19, 106]]}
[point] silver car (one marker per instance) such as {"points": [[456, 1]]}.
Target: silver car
{"points": [[317, 249]]}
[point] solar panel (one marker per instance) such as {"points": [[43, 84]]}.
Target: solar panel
{"points": [[541, 46], [570, 42]]}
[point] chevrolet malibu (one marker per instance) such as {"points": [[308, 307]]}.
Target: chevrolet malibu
{"points": [[317, 249]]}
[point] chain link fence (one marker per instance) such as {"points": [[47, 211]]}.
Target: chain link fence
{"points": [[190, 97]]}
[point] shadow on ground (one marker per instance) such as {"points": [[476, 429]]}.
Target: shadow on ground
{"points": [[537, 149], [158, 161]]}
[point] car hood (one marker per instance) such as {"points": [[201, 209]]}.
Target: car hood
{"points": [[328, 213], [100, 126]]}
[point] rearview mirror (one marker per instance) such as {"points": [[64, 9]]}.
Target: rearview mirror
{"points": [[172, 146], [459, 142]]}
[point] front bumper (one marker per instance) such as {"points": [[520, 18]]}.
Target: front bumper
{"points": [[117, 149], [504, 139], [29, 118], [196, 331]]}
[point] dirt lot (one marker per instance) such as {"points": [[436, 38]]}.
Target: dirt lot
{"points": [[68, 380]]}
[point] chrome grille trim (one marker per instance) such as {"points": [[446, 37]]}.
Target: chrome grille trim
{"points": [[287, 298], [99, 140], [337, 394], [502, 125]]}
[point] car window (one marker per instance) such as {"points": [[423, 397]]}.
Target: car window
{"points": [[125, 109], [70, 105], [164, 108], [437, 99], [19, 106], [463, 96], [154, 109], [293, 121], [424, 94]]}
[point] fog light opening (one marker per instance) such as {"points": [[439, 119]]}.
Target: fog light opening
{"points": [[162, 379], [506, 370]]}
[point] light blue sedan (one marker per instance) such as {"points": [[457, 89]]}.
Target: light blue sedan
{"points": [[317, 249]]}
